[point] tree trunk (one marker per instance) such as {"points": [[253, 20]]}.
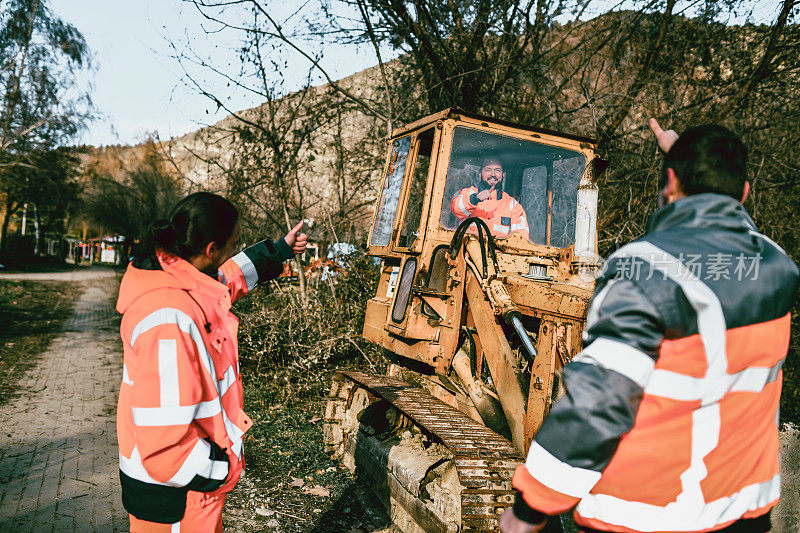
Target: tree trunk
{"points": [[37, 221], [6, 219]]}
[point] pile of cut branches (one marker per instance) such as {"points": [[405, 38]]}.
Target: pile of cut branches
{"points": [[292, 348]]}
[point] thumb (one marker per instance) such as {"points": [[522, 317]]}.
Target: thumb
{"points": [[655, 127], [297, 228]]}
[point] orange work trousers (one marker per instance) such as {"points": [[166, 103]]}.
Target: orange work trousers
{"points": [[203, 515]]}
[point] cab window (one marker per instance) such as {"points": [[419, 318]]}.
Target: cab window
{"points": [[409, 233], [392, 186], [516, 186]]}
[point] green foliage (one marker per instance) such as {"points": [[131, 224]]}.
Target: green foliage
{"points": [[40, 55], [19, 248], [290, 348], [127, 202]]}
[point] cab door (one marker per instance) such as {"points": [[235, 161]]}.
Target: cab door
{"points": [[412, 221]]}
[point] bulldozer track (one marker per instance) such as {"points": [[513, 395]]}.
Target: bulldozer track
{"points": [[485, 461]]}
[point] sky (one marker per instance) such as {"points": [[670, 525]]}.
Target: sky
{"points": [[137, 88]]}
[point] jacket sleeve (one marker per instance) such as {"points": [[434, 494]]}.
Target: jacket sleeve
{"points": [[256, 264], [604, 386], [172, 388], [464, 203]]}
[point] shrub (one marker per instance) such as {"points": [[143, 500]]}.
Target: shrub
{"points": [[19, 248], [291, 348]]}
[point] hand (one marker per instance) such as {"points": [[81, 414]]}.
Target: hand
{"points": [[665, 138], [509, 523], [483, 195], [297, 241]]}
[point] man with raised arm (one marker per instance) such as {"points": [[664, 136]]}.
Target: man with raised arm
{"points": [[669, 420]]}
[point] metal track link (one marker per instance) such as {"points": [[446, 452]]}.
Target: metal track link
{"points": [[485, 461]]}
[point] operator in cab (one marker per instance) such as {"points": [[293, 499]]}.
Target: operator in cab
{"points": [[502, 213]]}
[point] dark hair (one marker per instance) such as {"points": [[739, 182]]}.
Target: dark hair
{"points": [[195, 221], [708, 158]]}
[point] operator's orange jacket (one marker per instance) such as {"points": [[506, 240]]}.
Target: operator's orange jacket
{"points": [[180, 418], [502, 213]]}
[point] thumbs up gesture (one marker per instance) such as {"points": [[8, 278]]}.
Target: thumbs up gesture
{"points": [[296, 240]]}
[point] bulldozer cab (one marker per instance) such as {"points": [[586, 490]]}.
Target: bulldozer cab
{"points": [[432, 160]]}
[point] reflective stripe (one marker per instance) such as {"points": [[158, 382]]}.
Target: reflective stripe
{"points": [[619, 357], [236, 448], [684, 514], [175, 528], [468, 190], [248, 270], [221, 277], [558, 475], [686, 388], [198, 462], [134, 468], [169, 315], [175, 415], [234, 433], [773, 243], [126, 378], [462, 206], [227, 380], [169, 385], [515, 227], [512, 204], [501, 229]]}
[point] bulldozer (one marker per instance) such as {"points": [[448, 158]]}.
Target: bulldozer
{"points": [[478, 321]]}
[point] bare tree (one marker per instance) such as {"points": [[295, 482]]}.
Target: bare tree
{"points": [[126, 197], [38, 55]]}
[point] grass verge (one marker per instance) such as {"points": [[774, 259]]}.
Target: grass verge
{"points": [[291, 484], [31, 314]]}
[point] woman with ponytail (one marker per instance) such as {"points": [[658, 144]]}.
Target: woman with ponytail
{"points": [[180, 417]]}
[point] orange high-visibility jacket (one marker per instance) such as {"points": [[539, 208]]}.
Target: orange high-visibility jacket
{"points": [[180, 417], [669, 418], [501, 212]]}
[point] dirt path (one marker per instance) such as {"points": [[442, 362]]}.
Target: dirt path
{"points": [[58, 457]]}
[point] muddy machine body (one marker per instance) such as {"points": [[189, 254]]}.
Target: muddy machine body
{"points": [[479, 320]]}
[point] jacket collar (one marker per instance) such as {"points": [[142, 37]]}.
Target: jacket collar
{"points": [[166, 271], [482, 187], [707, 210], [186, 275]]}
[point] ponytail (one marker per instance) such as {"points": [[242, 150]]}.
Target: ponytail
{"points": [[194, 222]]}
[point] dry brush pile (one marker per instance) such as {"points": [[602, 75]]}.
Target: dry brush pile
{"points": [[291, 348]]}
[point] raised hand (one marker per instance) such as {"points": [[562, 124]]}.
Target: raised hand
{"points": [[665, 138], [297, 241], [483, 195]]}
